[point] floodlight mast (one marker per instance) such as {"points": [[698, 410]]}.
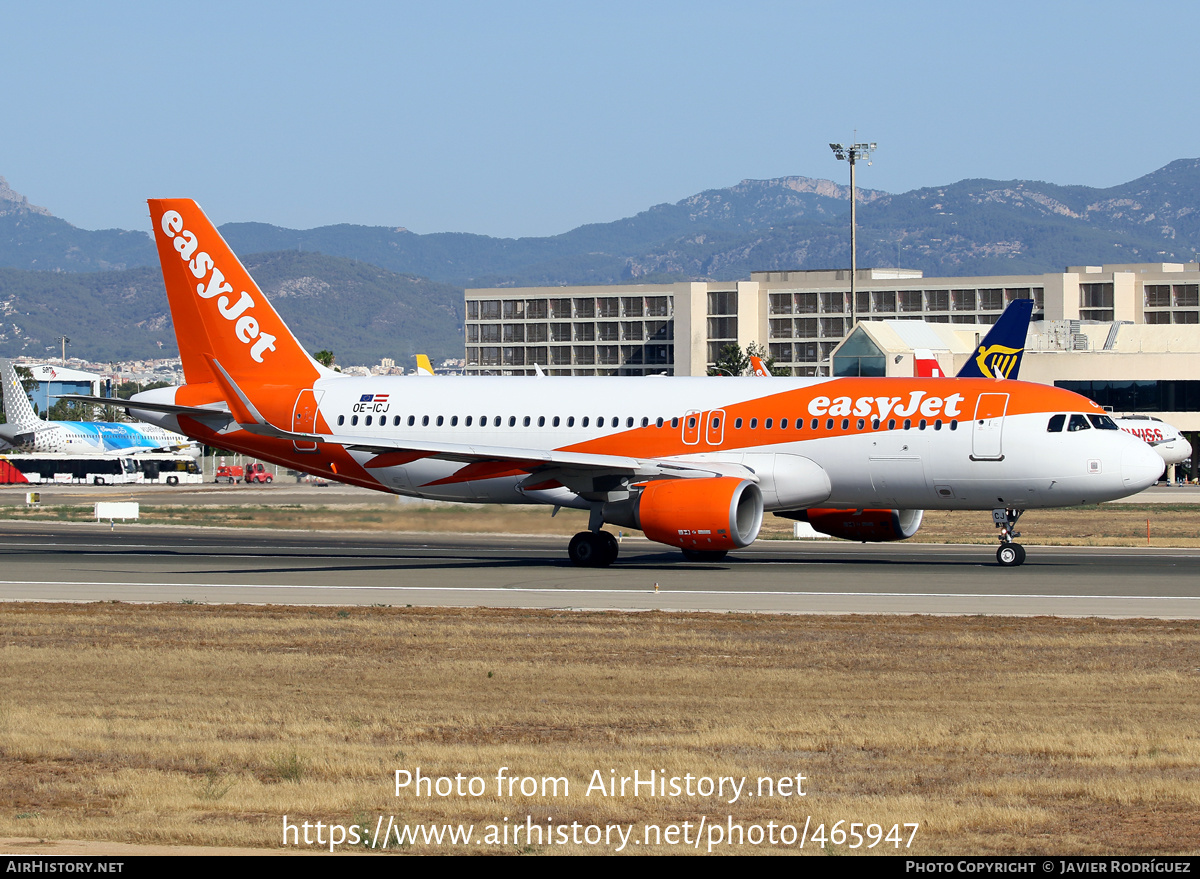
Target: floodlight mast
{"points": [[852, 154]]}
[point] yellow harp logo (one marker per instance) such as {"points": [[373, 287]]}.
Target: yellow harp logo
{"points": [[997, 359]]}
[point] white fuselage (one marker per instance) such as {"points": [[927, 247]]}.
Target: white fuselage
{"points": [[1166, 440], [945, 459]]}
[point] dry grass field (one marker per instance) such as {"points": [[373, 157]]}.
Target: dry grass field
{"points": [[1110, 525], [206, 725]]}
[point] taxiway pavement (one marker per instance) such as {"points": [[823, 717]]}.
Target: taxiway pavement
{"points": [[89, 562]]}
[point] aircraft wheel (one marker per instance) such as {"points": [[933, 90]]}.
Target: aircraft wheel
{"points": [[704, 555], [583, 549], [1010, 555], [609, 548]]}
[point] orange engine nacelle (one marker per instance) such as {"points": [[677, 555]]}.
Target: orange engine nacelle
{"points": [[874, 526], [717, 513]]}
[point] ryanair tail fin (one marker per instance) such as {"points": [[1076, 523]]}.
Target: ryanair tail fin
{"points": [[220, 314], [999, 354], [17, 408]]}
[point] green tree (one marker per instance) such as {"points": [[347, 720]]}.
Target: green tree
{"points": [[732, 360], [324, 357]]}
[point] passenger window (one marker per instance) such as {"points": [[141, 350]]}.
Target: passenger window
{"points": [[584, 423], [845, 423], [396, 421], [862, 423], [658, 422], [907, 423], [570, 421], [512, 421], [1056, 423], [1078, 422], [525, 422], [874, 424], [767, 424], [454, 421], [716, 422], [600, 421], [368, 422], [554, 423], [645, 422], [783, 424], [921, 426], [341, 420], [737, 423], [829, 424], [354, 421], [541, 421], [424, 421], [753, 423], [412, 419], [815, 424], [629, 421], [937, 425], [440, 419], [496, 421], [675, 422], [954, 424], [468, 421]]}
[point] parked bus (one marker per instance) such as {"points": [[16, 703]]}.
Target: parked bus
{"points": [[68, 469], [164, 468]]}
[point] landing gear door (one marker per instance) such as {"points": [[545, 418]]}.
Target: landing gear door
{"points": [[987, 432], [304, 417]]}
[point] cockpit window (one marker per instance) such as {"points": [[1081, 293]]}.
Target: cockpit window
{"points": [[1103, 422], [1056, 423], [1078, 422]]}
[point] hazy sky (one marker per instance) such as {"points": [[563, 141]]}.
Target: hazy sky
{"points": [[531, 118]]}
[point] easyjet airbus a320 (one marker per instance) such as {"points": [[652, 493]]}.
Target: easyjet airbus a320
{"points": [[692, 462]]}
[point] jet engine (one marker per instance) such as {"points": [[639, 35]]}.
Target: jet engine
{"points": [[708, 514], [869, 526]]}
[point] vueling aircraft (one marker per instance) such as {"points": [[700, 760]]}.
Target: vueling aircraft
{"points": [[25, 432], [692, 462]]}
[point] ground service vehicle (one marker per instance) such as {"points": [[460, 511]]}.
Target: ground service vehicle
{"points": [[69, 469], [168, 469], [692, 462], [256, 471]]}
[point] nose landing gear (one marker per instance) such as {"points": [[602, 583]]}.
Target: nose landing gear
{"points": [[1010, 554]]}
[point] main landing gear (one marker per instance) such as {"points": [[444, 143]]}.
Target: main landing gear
{"points": [[593, 549], [1010, 554]]}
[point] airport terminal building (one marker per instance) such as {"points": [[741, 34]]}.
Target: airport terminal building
{"points": [[1125, 335]]}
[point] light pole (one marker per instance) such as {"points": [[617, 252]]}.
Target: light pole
{"points": [[852, 154]]}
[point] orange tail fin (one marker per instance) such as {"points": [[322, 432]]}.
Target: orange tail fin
{"points": [[219, 312]]}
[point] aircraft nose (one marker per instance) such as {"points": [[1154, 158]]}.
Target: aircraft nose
{"points": [[1140, 466]]}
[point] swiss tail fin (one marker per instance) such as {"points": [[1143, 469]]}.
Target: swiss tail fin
{"points": [[999, 354], [17, 409], [220, 314]]}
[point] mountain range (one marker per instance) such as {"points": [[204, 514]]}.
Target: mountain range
{"points": [[973, 227]]}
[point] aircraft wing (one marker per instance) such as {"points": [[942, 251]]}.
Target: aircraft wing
{"points": [[168, 408], [530, 459]]}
